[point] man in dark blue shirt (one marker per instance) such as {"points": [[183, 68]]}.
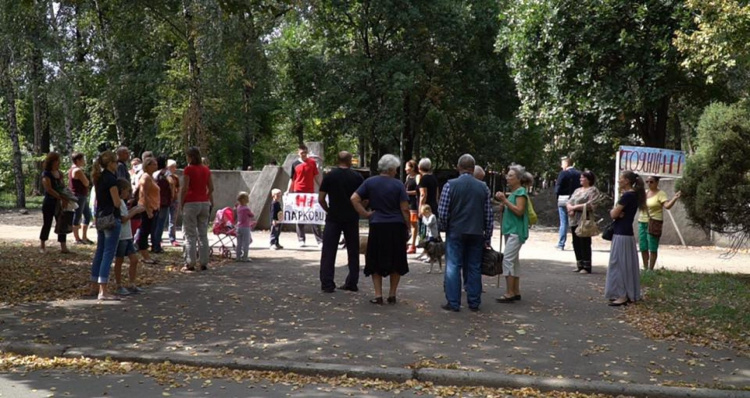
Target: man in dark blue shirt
{"points": [[568, 181]]}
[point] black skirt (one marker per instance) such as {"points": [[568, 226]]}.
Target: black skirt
{"points": [[386, 250]]}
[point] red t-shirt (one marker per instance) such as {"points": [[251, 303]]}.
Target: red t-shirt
{"points": [[197, 189], [303, 175]]}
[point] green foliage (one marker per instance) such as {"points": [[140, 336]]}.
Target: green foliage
{"points": [[716, 182], [718, 44], [612, 62]]}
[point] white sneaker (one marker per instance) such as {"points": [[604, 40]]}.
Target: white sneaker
{"points": [[320, 245], [302, 244], [274, 247]]}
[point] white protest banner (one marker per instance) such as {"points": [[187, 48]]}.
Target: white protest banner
{"points": [[651, 161], [303, 208]]}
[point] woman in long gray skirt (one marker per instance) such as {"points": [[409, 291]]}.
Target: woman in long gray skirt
{"points": [[623, 275]]}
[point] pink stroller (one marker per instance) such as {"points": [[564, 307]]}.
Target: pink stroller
{"points": [[226, 233]]}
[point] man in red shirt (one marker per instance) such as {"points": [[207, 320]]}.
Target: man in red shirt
{"points": [[305, 177]]}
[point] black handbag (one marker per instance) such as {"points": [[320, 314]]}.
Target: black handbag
{"points": [[492, 262], [609, 231], [105, 223]]}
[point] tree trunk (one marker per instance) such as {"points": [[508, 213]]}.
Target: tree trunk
{"points": [[250, 76], [193, 122], [10, 97], [67, 80], [652, 125], [39, 103], [408, 134], [111, 82], [298, 130]]}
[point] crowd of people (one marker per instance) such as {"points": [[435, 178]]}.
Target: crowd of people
{"points": [[137, 199], [578, 197]]}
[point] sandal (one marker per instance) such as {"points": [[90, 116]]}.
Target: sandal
{"points": [[392, 300], [505, 299], [187, 270], [107, 297], [150, 261], [377, 300]]}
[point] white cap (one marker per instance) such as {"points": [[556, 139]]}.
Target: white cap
{"points": [[171, 162]]}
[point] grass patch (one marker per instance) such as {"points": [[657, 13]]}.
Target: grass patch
{"points": [[706, 309], [8, 201], [27, 275]]}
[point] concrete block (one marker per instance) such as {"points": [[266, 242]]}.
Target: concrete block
{"points": [[361, 372], [500, 380], [260, 194]]}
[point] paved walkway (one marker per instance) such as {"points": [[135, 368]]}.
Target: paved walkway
{"points": [[273, 309]]}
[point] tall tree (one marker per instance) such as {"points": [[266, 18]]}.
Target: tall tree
{"points": [[613, 60], [8, 55]]}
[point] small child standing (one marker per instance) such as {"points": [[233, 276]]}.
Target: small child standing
{"points": [[431, 225], [276, 218], [125, 245], [245, 223]]}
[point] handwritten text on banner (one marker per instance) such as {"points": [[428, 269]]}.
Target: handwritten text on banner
{"points": [[652, 161], [303, 208]]}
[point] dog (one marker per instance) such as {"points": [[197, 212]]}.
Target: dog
{"points": [[435, 252]]}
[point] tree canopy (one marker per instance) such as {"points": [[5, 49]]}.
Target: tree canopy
{"points": [[508, 81]]}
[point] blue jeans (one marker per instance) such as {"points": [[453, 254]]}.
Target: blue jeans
{"points": [[563, 212], [463, 256], [106, 247], [83, 210], [172, 210], [158, 231]]}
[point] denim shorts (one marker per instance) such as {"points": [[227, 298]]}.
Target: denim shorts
{"points": [[125, 248]]}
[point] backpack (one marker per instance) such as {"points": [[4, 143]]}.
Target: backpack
{"points": [[165, 189], [532, 214]]}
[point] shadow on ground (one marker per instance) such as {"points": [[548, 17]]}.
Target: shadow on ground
{"points": [[273, 308]]}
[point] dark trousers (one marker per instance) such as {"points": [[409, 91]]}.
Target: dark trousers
{"points": [[146, 228], [331, 237], [275, 232], [49, 205], [581, 246]]}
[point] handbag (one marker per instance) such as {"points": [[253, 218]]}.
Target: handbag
{"points": [[492, 262], [105, 222], [587, 228], [609, 231], [533, 218], [654, 226], [562, 200]]}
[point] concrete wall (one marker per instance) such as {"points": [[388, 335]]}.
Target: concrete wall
{"points": [[228, 183]]}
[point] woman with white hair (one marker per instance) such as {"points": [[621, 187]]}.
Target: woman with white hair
{"points": [[515, 228], [389, 226]]}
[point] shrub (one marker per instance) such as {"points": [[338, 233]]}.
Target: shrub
{"points": [[716, 182]]}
